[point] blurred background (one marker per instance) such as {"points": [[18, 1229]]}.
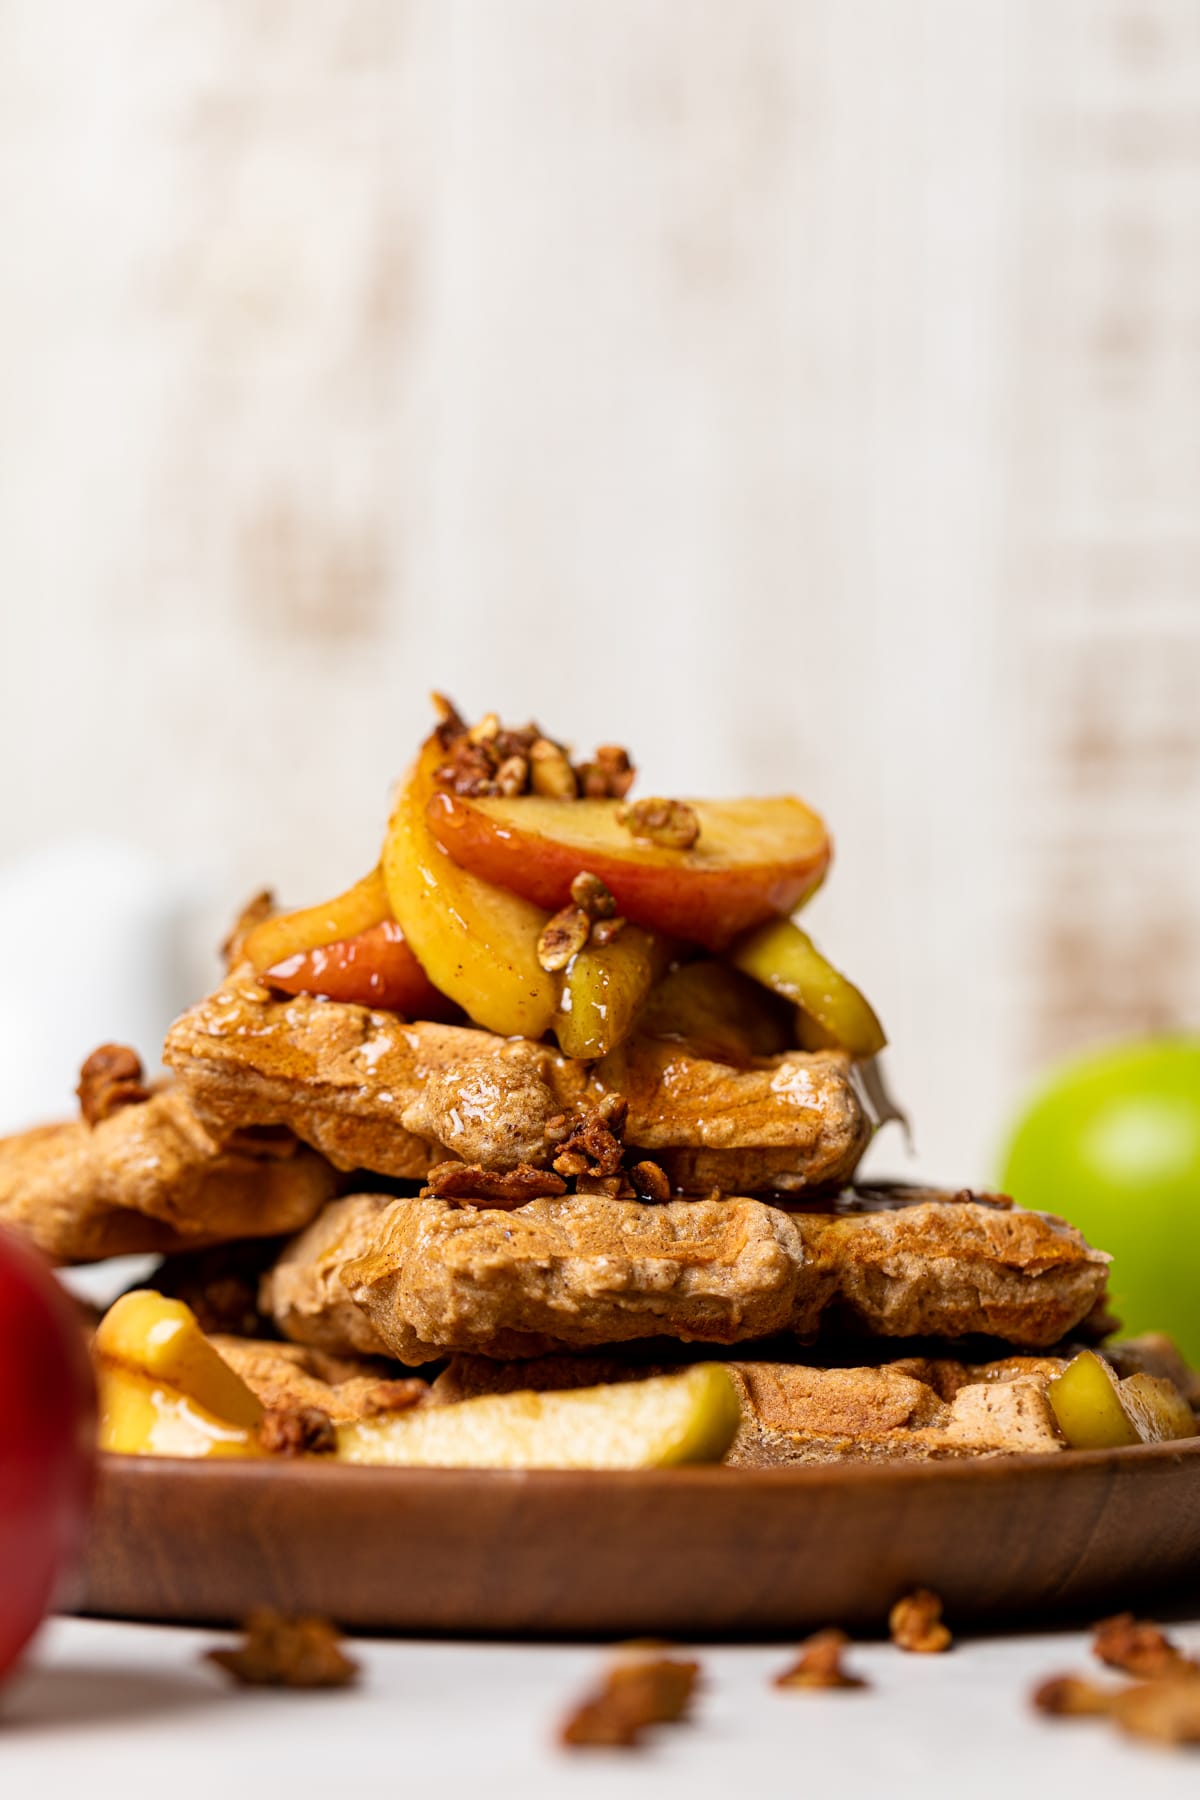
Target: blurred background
{"points": [[803, 392]]}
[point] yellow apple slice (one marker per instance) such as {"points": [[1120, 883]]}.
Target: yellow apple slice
{"points": [[717, 1012], [653, 1424], [1087, 1404], [753, 860], [1096, 1411], [785, 959], [164, 1390], [604, 989], [477, 943]]}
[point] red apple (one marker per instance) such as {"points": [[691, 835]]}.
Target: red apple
{"points": [[375, 968], [754, 860], [47, 1442]]}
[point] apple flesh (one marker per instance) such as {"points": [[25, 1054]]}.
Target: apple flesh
{"points": [[656, 1423], [285, 935], [1096, 1411], [717, 1012], [476, 942], [786, 960], [47, 1433], [164, 1389], [604, 989], [376, 968], [753, 861]]}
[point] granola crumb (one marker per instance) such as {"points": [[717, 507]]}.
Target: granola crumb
{"points": [[512, 777], [550, 772], [467, 1184], [591, 896], [819, 1664], [605, 930], [634, 1696], [593, 1144], [607, 1187], [671, 824], [297, 1431], [563, 936], [650, 1182], [111, 1077], [609, 775], [1137, 1647], [915, 1623], [283, 1652]]}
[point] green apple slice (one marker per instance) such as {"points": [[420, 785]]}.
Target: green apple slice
{"points": [[785, 959], [652, 1424]]}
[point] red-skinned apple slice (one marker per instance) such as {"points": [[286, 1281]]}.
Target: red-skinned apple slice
{"points": [[475, 941], [754, 860], [284, 936], [374, 968]]}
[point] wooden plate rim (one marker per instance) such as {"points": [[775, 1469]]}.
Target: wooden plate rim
{"points": [[254, 1472]]}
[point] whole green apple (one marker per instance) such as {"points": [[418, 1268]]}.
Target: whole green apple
{"points": [[1113, 1145]]}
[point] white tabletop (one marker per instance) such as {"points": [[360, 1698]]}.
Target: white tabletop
{"points": [[131, 1710]]}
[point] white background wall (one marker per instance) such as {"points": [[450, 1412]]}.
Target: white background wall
{"points": [[802, 391]]}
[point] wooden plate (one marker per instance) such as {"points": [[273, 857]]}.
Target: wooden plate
{"points": [[680, 1552]]}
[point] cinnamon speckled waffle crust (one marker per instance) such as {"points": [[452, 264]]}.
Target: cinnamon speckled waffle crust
{"points": [[922, 1408], [415, 1278], [372, 1091], [914, 1408], [150, 1179]]}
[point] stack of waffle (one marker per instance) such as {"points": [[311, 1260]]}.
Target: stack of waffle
{"points": [[347, 1192], [522, 1220]]}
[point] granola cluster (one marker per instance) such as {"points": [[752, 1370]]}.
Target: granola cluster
{"points": [[591, 918], [490, 759], [297, 1431], [586, 1149]]}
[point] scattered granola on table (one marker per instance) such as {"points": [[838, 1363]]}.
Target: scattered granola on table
{"points": [[1137, 1648], [915, 1623], [635, 1695], [819, 1664], [1162, 1704], [284, 1652]]}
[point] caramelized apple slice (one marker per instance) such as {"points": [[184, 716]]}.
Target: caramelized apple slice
{"points": [[604, 989], [1095, 1411], [276, 940], [753, 860], [719, 1013], [476, 942], [1086, 1401], [376, 968], [164, 1390], [785, 959]]}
